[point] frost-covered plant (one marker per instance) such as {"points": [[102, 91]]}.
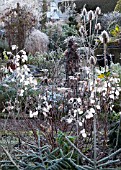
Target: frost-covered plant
{"points": [[22, 91], [37, 41], [58, 32], [97, 96], [97, 91]]}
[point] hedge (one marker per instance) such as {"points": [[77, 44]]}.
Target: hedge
{"points": [[105, 5]]}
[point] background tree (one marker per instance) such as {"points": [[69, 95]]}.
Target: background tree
{"points": [[18, 22]]}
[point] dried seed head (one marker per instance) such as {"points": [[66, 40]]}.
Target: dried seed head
{"points": [[104, 38], [98, 11], [84, 12], [93, 60], [98, 26], [91, 15]]}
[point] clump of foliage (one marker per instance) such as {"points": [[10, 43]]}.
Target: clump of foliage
{"points": [[58, 32]]}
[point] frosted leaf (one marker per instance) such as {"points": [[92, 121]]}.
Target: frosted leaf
{"points": [[80, 124], [69, 120], [117, 93], [98, 107], [14, 47], [92, 110], [112, 96]]}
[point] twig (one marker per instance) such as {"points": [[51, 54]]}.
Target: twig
{"points": [[9, 156], [109, 162], [111, 155], [89, 160]]}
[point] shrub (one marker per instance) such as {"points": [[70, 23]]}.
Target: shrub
{"points": [[37, 41]]}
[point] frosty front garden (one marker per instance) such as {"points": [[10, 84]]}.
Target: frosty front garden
{"points": [[60, 90]]}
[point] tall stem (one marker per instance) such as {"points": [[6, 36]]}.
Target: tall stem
{"points": [[95, 145], [94, 126], [105, 47]]}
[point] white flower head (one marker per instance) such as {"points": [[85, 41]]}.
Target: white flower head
{"points": [[9, 53], [90, 113], [98, 107], [71, 100], [33, 114], [74, 5], [24, 58], [80, 123], [35, 82], [30, 114], [83, 133], [112, 96], [63, 89], [23, 52], [21, 92], [17, 57], [69, 120], [14, 47], [80, 112], [92, 110], [92, 101], [26, 83], [117, 93]]}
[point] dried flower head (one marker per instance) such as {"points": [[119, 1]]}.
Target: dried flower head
{"points": [[98, 11], [104, 38], [93, 60], [84, 12], [98, 26], [91, 15]]}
